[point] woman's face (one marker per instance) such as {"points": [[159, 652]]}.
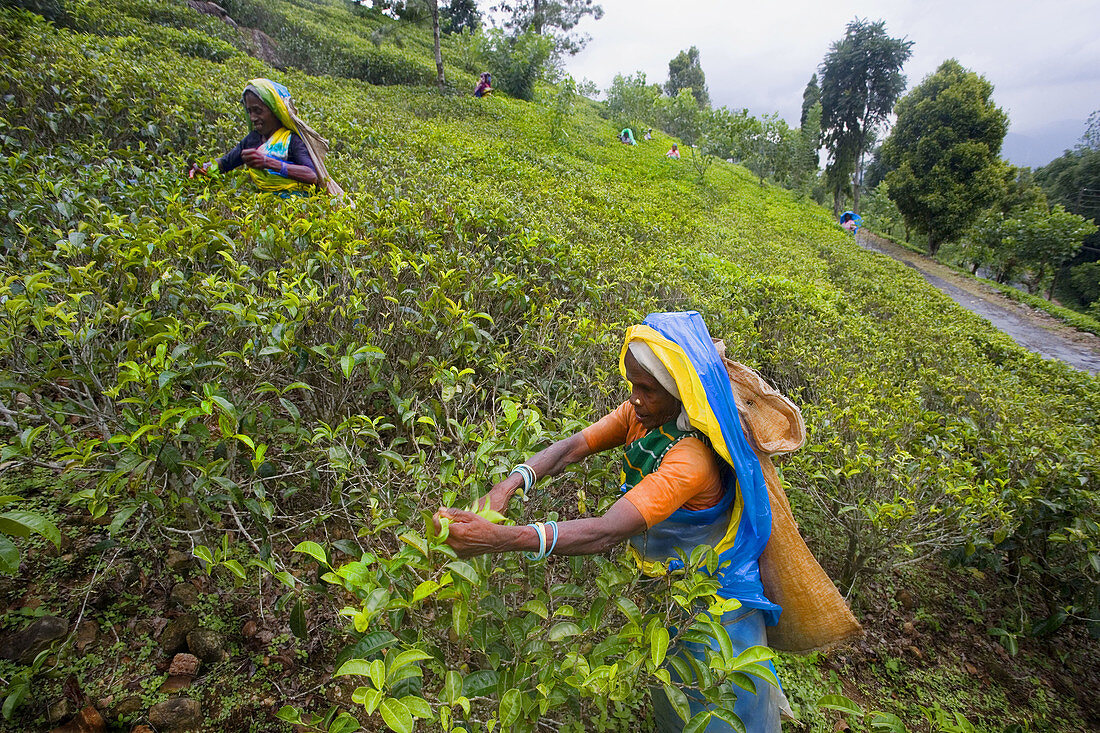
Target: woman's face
{"points": [[263, 119], [653, 404]]}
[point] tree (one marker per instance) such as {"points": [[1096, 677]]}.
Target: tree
{"points": [[1020, 191], [773, 150], [433, 7], [632, 102], [809, 141], [810, 96], [461, 15], [681, 117], [1045, 241], [1073, 180], [944, 152], [556, 19], [517, 61], [860, 81], [730, 134], [984, 246], [1091, 139], [880, 213], [686, 72]]}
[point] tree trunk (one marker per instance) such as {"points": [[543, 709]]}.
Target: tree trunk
{"points": [[933, 245], [434, 4], [857, 181], [536, 17], [1053, 282]]}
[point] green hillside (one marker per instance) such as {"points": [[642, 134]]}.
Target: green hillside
{"points": [[189, 367]]}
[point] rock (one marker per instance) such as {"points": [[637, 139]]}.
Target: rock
{"points": [[908, 629], [211, 8], [250, 628], [176, 715], [916, 652], [179, 562], [207, 645], [24, 645], [184, 664], [127, 707], [906, 599], [175, 632], [263, 46], [60, 709], [184, 595], [971, 669], [176, 682], [86, 633], [87, 721], [141, 729]]}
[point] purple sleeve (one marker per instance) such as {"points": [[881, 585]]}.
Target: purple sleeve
{"points": [[298, 154], [232, 159]]}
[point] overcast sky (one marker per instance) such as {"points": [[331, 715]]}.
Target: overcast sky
{"points": [[1043, 58]]}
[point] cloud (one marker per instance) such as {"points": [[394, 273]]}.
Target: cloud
{"points": [[1043, 59]]}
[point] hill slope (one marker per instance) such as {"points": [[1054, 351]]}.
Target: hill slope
{"points": [[207, 363]]}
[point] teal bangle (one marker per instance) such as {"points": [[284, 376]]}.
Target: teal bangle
{"points": [[555, 542], [528, 475], [541, 532]]}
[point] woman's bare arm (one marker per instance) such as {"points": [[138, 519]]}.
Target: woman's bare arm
{"points": [[253, 158], [471, 535], [550, 461]]}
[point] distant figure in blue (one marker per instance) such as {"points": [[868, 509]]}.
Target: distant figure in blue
{"points": [[850, 221]]}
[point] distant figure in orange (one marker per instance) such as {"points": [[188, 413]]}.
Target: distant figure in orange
{"points": [[674, 153]]}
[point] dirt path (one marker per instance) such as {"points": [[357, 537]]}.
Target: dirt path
{"points": [[1034, 330]]}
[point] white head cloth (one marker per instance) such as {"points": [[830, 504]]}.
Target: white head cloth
{"points": [[648, 361]]}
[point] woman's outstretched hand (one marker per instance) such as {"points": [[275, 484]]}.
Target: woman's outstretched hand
{"points": [[199, 168], [469, 534], [497, 498]]}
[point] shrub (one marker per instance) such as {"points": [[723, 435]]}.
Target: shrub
{"points": [[517, 63]]}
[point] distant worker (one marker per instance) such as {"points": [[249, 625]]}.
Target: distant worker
{"points": [[626, 137], [674, 152], [648, 134], [850, 221], [283, 154], [484, 85]]}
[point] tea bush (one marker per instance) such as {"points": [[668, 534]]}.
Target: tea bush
{"points": [[305, 376]]}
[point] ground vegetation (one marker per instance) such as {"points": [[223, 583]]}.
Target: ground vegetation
{"points": [[239, 411]]}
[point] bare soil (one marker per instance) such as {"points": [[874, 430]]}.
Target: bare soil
{"points": [[1032, 329]]}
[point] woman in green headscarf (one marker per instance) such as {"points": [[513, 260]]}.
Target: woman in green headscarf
{"points": [[283, 154]]}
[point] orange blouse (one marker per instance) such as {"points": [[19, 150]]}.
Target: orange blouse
{"points": [[688, 476]]}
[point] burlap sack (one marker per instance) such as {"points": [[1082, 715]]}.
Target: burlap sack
{"points": [[815, 616]]}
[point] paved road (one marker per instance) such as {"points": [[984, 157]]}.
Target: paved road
{"points": [[1034, 330]]}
